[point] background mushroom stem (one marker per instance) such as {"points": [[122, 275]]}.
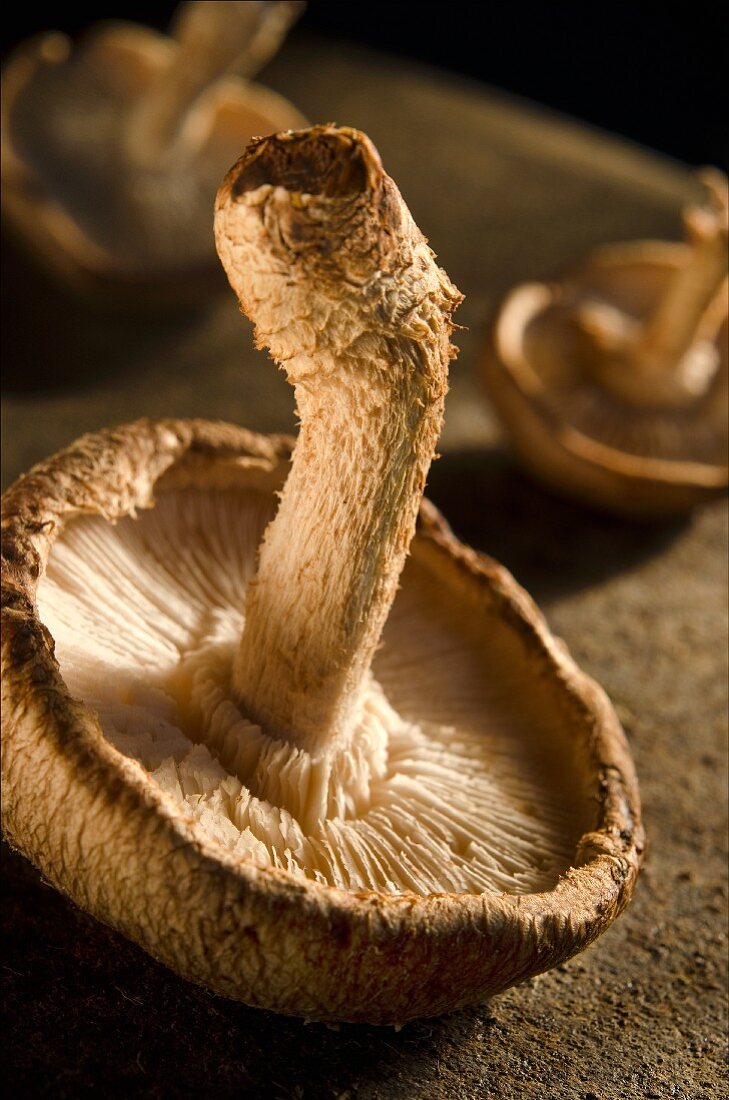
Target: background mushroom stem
{"points": [[697, 292], [345, 293], [213, 38]]}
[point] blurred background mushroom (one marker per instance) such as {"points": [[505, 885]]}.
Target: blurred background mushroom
{"points": [[613, 383], [113, 148]]}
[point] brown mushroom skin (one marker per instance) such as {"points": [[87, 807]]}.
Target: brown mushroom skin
{"points": [[97, 828]]}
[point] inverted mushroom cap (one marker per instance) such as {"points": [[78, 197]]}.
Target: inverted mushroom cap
{"points": [[135, 813], [602, 395], [113, 149], [238, 725]]}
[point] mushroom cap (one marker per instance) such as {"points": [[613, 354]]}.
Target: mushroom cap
{"points": [[568, 429], [102, 829], [98, 222]]}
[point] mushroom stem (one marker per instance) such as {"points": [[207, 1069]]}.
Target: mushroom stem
{"points": [[213, 37], [678, 318], [344, 291]]}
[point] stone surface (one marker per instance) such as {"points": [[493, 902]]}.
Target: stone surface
{"points": [[505, 193]]}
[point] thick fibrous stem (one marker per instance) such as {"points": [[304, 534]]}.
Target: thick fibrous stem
{"points": [[344, 291]]}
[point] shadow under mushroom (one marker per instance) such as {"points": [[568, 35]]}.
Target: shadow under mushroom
{"points": [[87, 1007], [72, 342], [552, 545]]}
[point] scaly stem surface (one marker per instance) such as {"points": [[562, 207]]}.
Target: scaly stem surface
{"points": [[345, 293]]}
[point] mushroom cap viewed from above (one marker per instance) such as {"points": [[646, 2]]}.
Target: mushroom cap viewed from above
{"points": [[113, 147], [262, 712], [612, 384]]}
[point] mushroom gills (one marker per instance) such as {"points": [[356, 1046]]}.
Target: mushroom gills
{"points": [[693, 433], [487, 794]]}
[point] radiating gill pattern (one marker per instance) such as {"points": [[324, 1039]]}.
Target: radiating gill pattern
{"points": [[146, 615]]}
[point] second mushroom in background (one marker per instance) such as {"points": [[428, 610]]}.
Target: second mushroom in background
{"points": [[613, 384], [113, 147]]}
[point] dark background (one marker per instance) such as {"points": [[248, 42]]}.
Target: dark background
{"points": [[651, 71]]}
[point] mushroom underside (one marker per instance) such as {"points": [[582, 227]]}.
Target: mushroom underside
{"points": [[546, 350], [469, 779]]}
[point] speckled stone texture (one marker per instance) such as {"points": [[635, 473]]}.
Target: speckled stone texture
{"points": [[505, 194]]}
